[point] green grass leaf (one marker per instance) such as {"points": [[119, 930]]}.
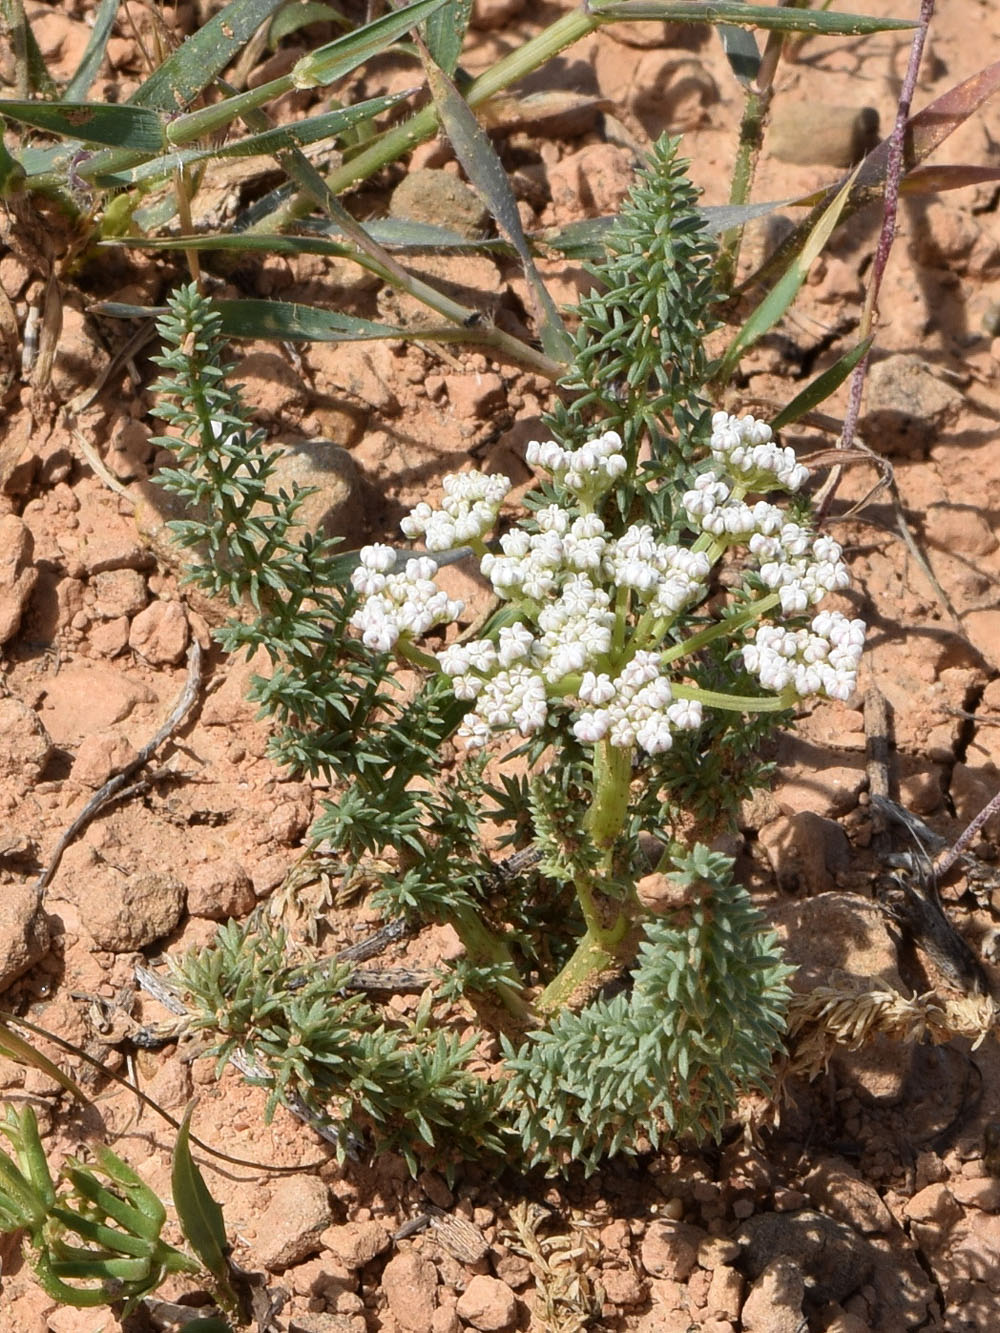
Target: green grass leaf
{"points": [[487, 175], [131, 127], [749, 16], [205, 54], [90, 62], [199, 1215], [333, 61], [818, 390], [444, 33], [781, 296]]}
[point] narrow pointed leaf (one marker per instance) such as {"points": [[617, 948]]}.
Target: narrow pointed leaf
{"points": [[205, 54], [293, 17], [486, 173], [444, 33], [17, 1049], [90, 62], [333, 61], [819, 390], [741, 51], [749, 16], [269, 142], [131, 127], [777, 301], [199, 1215]]}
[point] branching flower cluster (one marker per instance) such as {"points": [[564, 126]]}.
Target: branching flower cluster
{"points": [[596, 612]]}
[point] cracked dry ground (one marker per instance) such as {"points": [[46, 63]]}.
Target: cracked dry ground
{"points": [[874, 1202]]}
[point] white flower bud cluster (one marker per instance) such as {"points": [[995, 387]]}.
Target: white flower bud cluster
{"points": [[395, 603], [636, 708], [823, 659], [745, 449], [468, 511], [590, 470]]}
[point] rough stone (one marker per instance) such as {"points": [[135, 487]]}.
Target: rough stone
{"points": [[487, 1304], [725, 1293], [25, 745], [409, 1283], [336, 509], [356, 1243], [24, 932], [99, 756], [907, 406], [219, 889], [817, 780], [670, 1249], [836, 933], [806, 851], [439, 199], [813, 133], [831, 1258], [17, 575], [119, 592], [596, 178], [273, 388], [290, 1227], [128, 913], [161, 633], [775, 1303], [839, 1190]]}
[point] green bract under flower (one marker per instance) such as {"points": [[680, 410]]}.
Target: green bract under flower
{"points": [[596, 610]]}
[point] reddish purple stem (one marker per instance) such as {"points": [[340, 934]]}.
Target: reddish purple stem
{"points": [[894, 175]]}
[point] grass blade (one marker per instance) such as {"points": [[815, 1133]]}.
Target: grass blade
{"points": [[80, 84], [741, 51], [129, 127], [485, 171], [199, 1214], [781, 296], [269, 142], [15, 1048], [444, 33], [294, 17], [819, 390], [340, 57], [824, 23], [206, 53]]}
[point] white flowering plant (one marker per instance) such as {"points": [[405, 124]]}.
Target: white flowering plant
{"points": [[658, 606]]}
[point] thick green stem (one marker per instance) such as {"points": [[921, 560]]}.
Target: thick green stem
{"points": [[608, 942]]}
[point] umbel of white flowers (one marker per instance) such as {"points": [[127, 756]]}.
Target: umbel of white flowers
{"points": [[595, 610]]}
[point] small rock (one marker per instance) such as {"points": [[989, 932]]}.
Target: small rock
{"points": [[128, 913], [291, 1225], [80, 357], [114, 544], [17, 575], [831, 1258], [596, 179], [219, 890], [806, 852], [817, 780], [623, 1286], [335, 509], [24, 932], [100, 755], [439, 199], [356, 1243], [670, 1249], [959, 528], [715, 1251], [934, 1203], [160, 634], [24, 743], [839, 1190], [725, 1293], [775, 1303], [808, 133], [108, 638], [119, 592], [908, 407], [85, 697], [982, 1192], [273, 387], [474, 397], [836, 932], [410, 1283], [487, 1304]]}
